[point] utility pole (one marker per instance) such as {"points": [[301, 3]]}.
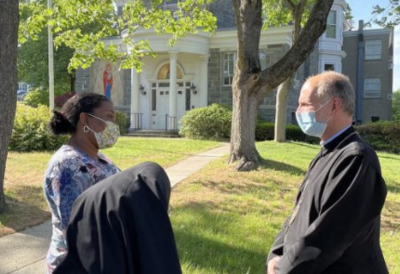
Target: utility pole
{"points": [[51, 64]]}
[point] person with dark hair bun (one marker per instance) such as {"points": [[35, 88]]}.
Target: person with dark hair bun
{"points": [[89, 119]]}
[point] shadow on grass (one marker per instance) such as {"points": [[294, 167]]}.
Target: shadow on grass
{"points": [[279, 166], [257, 190], [393, 188], [24, 209], [211, 242], [313, 146]]}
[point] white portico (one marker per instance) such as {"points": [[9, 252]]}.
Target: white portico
{"points": [[177, 79], [170, 84]]}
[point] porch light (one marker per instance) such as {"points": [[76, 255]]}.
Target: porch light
{"points": [[142, 91], [193, 89]]}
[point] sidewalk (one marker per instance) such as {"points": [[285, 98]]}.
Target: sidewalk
{"points": [[24, 252]]}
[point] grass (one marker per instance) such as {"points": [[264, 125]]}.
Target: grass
{"points": [[24, 174], [225, 222]]}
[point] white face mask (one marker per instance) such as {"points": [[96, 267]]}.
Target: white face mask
{"points": [[309, 124], [106, 138]]}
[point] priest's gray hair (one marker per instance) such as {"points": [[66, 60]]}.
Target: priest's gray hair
{"points": [[333, 84]]}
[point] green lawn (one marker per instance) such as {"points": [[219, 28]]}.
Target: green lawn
{"points": [[225, 222], [24, 174]]}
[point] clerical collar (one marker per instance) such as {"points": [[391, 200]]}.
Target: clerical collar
{"points": [[323, 144]]}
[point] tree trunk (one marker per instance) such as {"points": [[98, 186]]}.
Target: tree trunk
{"points": [[281, 110], [9, 20], [72, 78], [284, 88], [244, 116], [246, 85]]}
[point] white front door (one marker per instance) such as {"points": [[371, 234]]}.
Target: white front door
{"points": [[160, 104], [162, 107]]}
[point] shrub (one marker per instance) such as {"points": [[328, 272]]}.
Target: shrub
{"points": [[40, 96], [121, 121], [36, 97], [60, 100], [382, 136], [266, 131], [211, 122], [30, 131]]}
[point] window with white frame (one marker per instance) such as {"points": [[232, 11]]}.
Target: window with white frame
{"points": [[372, 88], [373, 49], [228, 68], [331, 25]]}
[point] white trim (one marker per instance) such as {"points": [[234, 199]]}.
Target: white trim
{"points": [[368, 32]]}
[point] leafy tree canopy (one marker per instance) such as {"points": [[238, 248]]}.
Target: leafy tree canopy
{"points": [[33, 64], [70, 21], [388, 16], [283, 12]]}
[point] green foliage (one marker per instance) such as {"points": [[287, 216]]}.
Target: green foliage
{"points": [[266, 130], [387, 17], [36, 97], [396, 106], [211, 122], [121, 120], [39, 96], [30, 132], [281, 12], [69, 18], [32, 64], [348, 14], [382, 136]]}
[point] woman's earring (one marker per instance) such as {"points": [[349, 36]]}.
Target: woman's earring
{"points": [[86, 129]]}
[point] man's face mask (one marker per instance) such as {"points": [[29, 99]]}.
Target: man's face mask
{"points": [[309, 124], [108, 137]]}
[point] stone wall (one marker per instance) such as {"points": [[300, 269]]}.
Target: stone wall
{"points": [[126, 87], [82, 83]]}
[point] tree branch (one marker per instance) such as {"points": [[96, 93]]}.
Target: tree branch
{"points": [[315, 27], [291, 4]]}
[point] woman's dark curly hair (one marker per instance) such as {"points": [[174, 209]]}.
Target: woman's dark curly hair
{"points": [[65, 122]]}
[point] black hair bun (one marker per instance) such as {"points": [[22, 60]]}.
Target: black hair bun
{"points": [[59, 125]]}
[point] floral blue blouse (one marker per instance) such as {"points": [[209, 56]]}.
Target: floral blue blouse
{"points": [[69, 172]]}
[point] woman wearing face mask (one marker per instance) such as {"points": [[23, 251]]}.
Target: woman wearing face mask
{"points": [[89, 119]]}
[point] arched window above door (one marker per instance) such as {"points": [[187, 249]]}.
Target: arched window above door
{"points": [[163, 73]]}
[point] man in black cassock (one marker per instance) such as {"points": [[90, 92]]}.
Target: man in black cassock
{"points": [[335, 224]]}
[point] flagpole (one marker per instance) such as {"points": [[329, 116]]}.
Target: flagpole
{"points": [[51, 64]]}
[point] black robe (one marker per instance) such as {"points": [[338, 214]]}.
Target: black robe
{"points": [[121, 225], [337, 227]]}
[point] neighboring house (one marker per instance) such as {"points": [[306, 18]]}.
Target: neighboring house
{"points": [[198, 70], [369, 65], [23, 89]]}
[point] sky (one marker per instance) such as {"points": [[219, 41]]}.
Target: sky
{"points": [[362, 10]]}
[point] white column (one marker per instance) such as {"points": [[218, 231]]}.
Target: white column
{"points": [[203, 85], [173, 56], [135, 97]]}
